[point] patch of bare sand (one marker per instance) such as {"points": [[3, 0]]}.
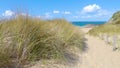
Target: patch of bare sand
{"points": [[99, 54]]}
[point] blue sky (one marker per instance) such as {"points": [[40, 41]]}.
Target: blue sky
{"points": [[72, 10]]}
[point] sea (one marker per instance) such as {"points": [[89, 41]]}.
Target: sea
{"points": [[83, 23]]}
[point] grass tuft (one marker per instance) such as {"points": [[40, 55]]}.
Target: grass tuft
{"points": [[25, 39]]}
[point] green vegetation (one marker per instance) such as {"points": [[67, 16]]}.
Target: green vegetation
{"points": [[25, 39], [112, 27], [116, 18]]}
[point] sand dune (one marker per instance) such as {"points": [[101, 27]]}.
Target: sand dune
{"points": [[99, 54]]}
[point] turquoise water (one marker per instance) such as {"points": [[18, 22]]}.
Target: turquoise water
{"points": [[83, 23]]}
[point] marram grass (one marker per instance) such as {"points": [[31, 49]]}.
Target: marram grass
{"points": [[109, 29], [25, 39]]}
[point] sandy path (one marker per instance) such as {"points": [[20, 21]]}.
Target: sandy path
{"points": [[99, 54]]}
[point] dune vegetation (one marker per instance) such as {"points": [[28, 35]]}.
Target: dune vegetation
{"points": [[25, 39], [110, 31], [112, 27]]}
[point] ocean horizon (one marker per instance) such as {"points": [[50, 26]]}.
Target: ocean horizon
{"points": [[83, 23]]}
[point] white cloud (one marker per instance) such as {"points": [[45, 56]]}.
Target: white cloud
{"points": [[64, 12], [45, 16], [91, 8], [8, 13], [56, 11], [94, 11], [67, 12]]}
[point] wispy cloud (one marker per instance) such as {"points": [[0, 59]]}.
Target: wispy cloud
{"points": [[8, 13], [103, 12], [47, 15], [56, 11], [61, 12], [66, 12]]}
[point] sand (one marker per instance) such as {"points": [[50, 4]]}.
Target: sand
{"points": [[98, 55]]}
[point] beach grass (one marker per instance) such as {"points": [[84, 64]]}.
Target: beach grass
{"points": [[110, 29], [26, 39]]}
